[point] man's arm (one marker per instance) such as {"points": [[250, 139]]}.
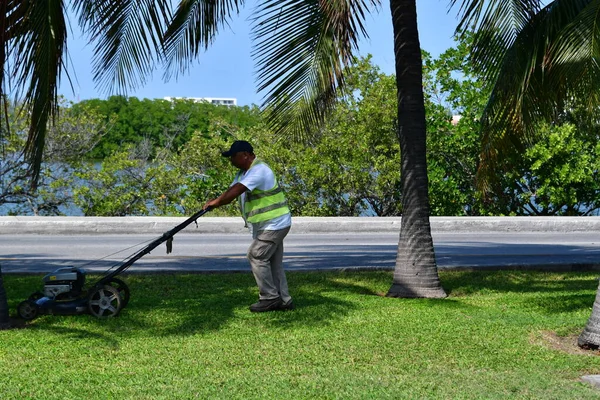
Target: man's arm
{"points": [[227, 197]]}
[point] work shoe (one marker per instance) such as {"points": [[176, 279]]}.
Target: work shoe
{"points": [[287, 306], [267, 305]]}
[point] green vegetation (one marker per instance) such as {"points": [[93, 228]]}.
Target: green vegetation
{"points": [[498, 335], [163, 123], [72, 136], [157, 157]]}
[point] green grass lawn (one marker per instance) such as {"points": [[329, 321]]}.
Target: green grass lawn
{"points": [[498, 335]]}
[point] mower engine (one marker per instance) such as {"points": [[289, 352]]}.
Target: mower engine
{"points": [[64, 283], [64, 294]]}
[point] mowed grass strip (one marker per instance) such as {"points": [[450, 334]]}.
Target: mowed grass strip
{"points": [[183, 336]]}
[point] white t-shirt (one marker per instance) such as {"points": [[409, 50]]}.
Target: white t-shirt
{"points": [[261, 177]]}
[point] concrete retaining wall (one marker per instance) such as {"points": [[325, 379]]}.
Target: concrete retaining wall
{"points": [[207, 224]]}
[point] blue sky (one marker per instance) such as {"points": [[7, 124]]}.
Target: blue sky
{"points": [[227, 70]]}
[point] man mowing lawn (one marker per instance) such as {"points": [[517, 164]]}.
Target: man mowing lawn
{"points": [[263, 205]]}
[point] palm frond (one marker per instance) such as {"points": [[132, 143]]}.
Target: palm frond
{"points": [[575, 54], [5, 12], [497, 25], [12, 14], [37, 46], [193, 29], [545, 65], [302, 50], [507, 15], [127, 37]]}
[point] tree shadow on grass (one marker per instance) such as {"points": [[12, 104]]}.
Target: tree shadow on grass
{"points": [[187, 304], [564, 304], [205, 303], [471, 282], [69, 334], [550, 292]]}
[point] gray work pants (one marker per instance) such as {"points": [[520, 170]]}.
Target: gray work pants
{"points": [[266, 259]]}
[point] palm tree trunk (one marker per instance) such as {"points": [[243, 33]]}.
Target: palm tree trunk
{"points": [[4, 317], [590, 337], [415, 274]]}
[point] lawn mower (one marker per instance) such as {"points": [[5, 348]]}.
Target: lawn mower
{"points": [[65, 292]]}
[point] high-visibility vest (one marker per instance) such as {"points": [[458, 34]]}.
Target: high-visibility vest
{"points": [[263, 205]]}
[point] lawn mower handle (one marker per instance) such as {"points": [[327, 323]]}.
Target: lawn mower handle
{"points": [[154, 244]]}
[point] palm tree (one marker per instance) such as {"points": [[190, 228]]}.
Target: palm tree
{"points": [[590, 337], [415, 274]]}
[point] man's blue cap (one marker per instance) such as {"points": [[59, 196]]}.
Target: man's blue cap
{"points": [[237, 147]]}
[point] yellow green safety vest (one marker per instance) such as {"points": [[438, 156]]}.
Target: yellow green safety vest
{"points": [[263, 205]]}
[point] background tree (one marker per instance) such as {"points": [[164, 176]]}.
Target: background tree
{"points": [[455, 96], [122, 185], [69, 139], [350, 167], [160, 122], [207, 173], [129, 182], [553, 174], [557, 175]]}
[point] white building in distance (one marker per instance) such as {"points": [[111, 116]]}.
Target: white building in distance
{"points": [[222, 101]]}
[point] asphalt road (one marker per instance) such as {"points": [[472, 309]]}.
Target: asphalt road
{"points": [[226, 252]]}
